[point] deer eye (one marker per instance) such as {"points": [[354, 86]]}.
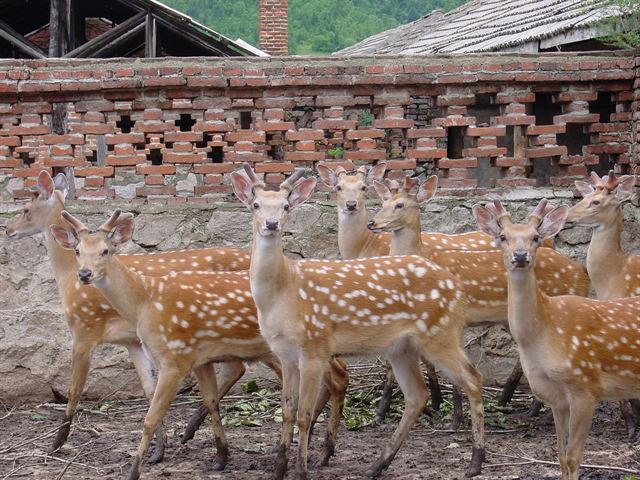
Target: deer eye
{"points": [[595, 203], [26, 211], [364, 188], [339, 188], [399, 205], [536, 238], [105, 252], [256, 206], [77, 252], [503, 238], [287, 207]]}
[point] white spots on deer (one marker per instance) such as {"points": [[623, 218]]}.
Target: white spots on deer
{"points": [[435, 294]]}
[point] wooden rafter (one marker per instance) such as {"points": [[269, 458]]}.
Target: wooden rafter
{"points": [[151, 36], [111, 38], [20, 42]]}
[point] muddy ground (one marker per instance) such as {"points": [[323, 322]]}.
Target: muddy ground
{"points": [[107, 433]]}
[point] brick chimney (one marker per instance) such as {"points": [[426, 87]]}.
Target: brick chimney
{"points": [[274, 27]]}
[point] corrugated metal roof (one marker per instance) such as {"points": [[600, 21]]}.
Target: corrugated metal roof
{"points": [[480, 26]]}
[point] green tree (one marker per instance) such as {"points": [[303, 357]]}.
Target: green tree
{"points": [[622, 26]]}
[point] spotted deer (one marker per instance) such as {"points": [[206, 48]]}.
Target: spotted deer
{"points": [[312, 310], [614, 273], [91, 318], [186, 320], [355, 240], [575, 351], [481, 272]]}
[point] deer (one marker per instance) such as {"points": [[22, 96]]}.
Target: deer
{"points": [[186, 320], [481, 272], [92, 320], [613, 272], [312, 310], [355, 240], [575, 351]]}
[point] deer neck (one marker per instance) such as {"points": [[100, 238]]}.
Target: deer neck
{"points": [[126, 290], [63, 261], [407, 240], [269, 270], [525, 307], [605, 257], [353, 234]]}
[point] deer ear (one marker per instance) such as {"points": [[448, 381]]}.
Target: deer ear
{"points": [[382, 190], [624, 190], [553, 222], [327, 175], [242, 188], [376, 173], [584, 188], [302, 191], [62, 184], [428, 189], [487, 221], [45, 185], [66, 237], [123, 231]]}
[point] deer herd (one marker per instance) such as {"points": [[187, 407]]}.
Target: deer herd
{"points": [[397, 292]]}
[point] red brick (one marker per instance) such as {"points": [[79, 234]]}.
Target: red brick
{"points": [[154, 180], [94, 182], [428, 153], [484, 152], [366, 155], [12, 141], [94, 172], [155, 190], [335, 124], [426, 132], [206, 189], [497, 131], [245, 135], [274, 167], [393, 123], [76, 139], [552, 151], [125, 160], [304, 156], [401, 164], [171, 157], [274, 126], [457, 163], [215, 168], [296, 135], [545, 129]]}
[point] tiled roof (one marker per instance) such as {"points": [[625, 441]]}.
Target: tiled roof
{"points": [[480, 26]]}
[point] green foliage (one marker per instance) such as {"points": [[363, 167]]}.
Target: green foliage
{"points": [[318, 27], [366, 118], [623, 27], [336, 152]]}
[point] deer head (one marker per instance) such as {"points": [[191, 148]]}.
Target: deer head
{"points": [[519, 242], [270, 208], [602, 199], [36, 213], [351, 189], [93, 250], [400, 207]]}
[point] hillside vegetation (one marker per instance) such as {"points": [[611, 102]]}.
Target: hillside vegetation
{"points": [[315, 26]]}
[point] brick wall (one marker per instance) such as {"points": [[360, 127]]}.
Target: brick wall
{"points": [[273, 28], [170, 131]]}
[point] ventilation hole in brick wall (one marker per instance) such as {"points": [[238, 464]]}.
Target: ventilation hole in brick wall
{"points": [[216, 154], [93, 157], [543, 169], [484, 109], [26, 159], [185, 122], [544, 108], [486, 172], [423, 110], [603, 105], [168, 145], [155, 156], [125, 124], [574, 138], [508, 141], [455, 142], [328, 135], [56, 170], [201, 144], [607, 162], [246, 120], [301, 116]]}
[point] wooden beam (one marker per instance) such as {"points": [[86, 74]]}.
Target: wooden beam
{"points": [[188, 35], [109, 37], [59, 19], [20, 42], [151, 36], [107, 50]]}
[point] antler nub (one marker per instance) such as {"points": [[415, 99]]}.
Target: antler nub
{"points": [[76, 224], [109, 224], [290, 182], [499, 212], [251, 175], [409, 183], [538, 213]]}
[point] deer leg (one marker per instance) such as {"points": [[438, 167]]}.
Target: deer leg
{"points": [[629, 417], [337, 380], [312, 371], [144, 368], [405, 361], [457, 414], [230, 373], [290, 386], [511, 384], [434, 386], [581, 415], [455, 362], [561, 421], [80, 362], [387, 393], [206, 377], [166, 389]]}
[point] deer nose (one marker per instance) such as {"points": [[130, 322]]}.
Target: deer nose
{"points": [[351, 205], [520, 257], [271, 224], [371, 224], [84, 274]]}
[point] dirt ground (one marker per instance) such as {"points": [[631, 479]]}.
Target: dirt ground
{"points": [[105, 436]]}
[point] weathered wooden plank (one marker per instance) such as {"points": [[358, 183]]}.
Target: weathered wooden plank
{"points": [[23, 44], [151, 37], [59, 27]]}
